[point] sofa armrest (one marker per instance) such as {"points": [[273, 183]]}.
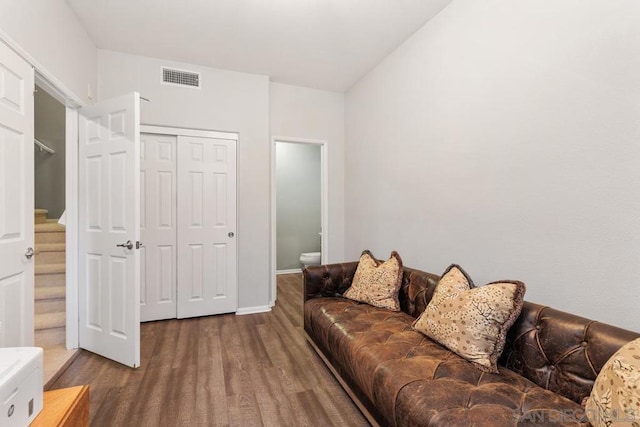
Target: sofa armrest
{"points": [[328, 280]]}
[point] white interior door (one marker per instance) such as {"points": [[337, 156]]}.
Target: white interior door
{"points": [[16, 200], [158, 227], [109, 229], [207, 272]]}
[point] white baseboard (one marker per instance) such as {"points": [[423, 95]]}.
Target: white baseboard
{"points": [[253, 310], [293, 270]]}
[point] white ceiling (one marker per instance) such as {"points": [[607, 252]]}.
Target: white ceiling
{"points": [[324, 44]]}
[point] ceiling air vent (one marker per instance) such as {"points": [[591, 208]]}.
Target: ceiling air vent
{"points": [[176, 77]]}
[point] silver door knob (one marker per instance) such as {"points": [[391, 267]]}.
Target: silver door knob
{"points": [[29, 253], [231, 234], [127, 245]]}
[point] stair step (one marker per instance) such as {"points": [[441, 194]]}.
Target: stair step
{"points": [[48, 280], [50, 257], [50, 305], [50, 269], [51, 226], [51, 247], [50, 292], [49, 337], [50, 320], [50, 237], [40, 215], [49, 232]]}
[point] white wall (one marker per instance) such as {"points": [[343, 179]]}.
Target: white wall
{"points": [[49, 169], [297, 112], [298, 202], [227, 101], [51, 34], [505, 136]]}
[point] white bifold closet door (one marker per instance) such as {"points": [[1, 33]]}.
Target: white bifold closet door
{"points": [[188, 226], [158, 227], [206, 226]]}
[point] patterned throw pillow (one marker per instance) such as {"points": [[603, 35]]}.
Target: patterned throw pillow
{"points": [[615, 397], [472, 321], [377, 283]]}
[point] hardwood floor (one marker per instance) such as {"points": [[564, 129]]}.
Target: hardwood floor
{"points": [[224, 370]]}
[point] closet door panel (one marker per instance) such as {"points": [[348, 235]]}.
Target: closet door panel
{"points": [[206, 226], [158, 181]]}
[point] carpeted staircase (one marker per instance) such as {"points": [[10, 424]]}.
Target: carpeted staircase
{"points": [[50, 281]]}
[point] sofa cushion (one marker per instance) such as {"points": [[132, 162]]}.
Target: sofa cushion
{"points": [[473, 322], [411, 380], [377, 283], [615, 397]]}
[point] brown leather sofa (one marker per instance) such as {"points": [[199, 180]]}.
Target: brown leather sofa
{"points": [[399, 377]]}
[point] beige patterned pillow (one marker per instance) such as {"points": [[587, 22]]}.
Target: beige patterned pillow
{"points": [[615, 397], [472, 322], [377, 283]]}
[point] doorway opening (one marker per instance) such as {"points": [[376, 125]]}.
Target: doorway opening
{"points": [[299, 205], [50, 288]]}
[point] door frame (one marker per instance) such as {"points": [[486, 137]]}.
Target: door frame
{"points": [[324, 204], [72, 167], [71, 208], [72, 104], [202, 133], [178, 131]]}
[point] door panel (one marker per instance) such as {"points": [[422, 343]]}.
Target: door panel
{"points": [[109, 216], [158, 226], [16, 200], [206, 226]]}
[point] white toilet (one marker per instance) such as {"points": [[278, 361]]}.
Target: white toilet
{"points": [[310, 258]]}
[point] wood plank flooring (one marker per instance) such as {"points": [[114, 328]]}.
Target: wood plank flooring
{"points": [[226, 370]]}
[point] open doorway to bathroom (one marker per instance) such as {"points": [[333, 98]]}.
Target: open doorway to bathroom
{"points": [[298, 205], [49, 228]]}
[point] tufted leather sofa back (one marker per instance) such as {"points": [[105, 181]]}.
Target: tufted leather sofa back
{"points": [[560, 351], [334, 279], [556, 350]]}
